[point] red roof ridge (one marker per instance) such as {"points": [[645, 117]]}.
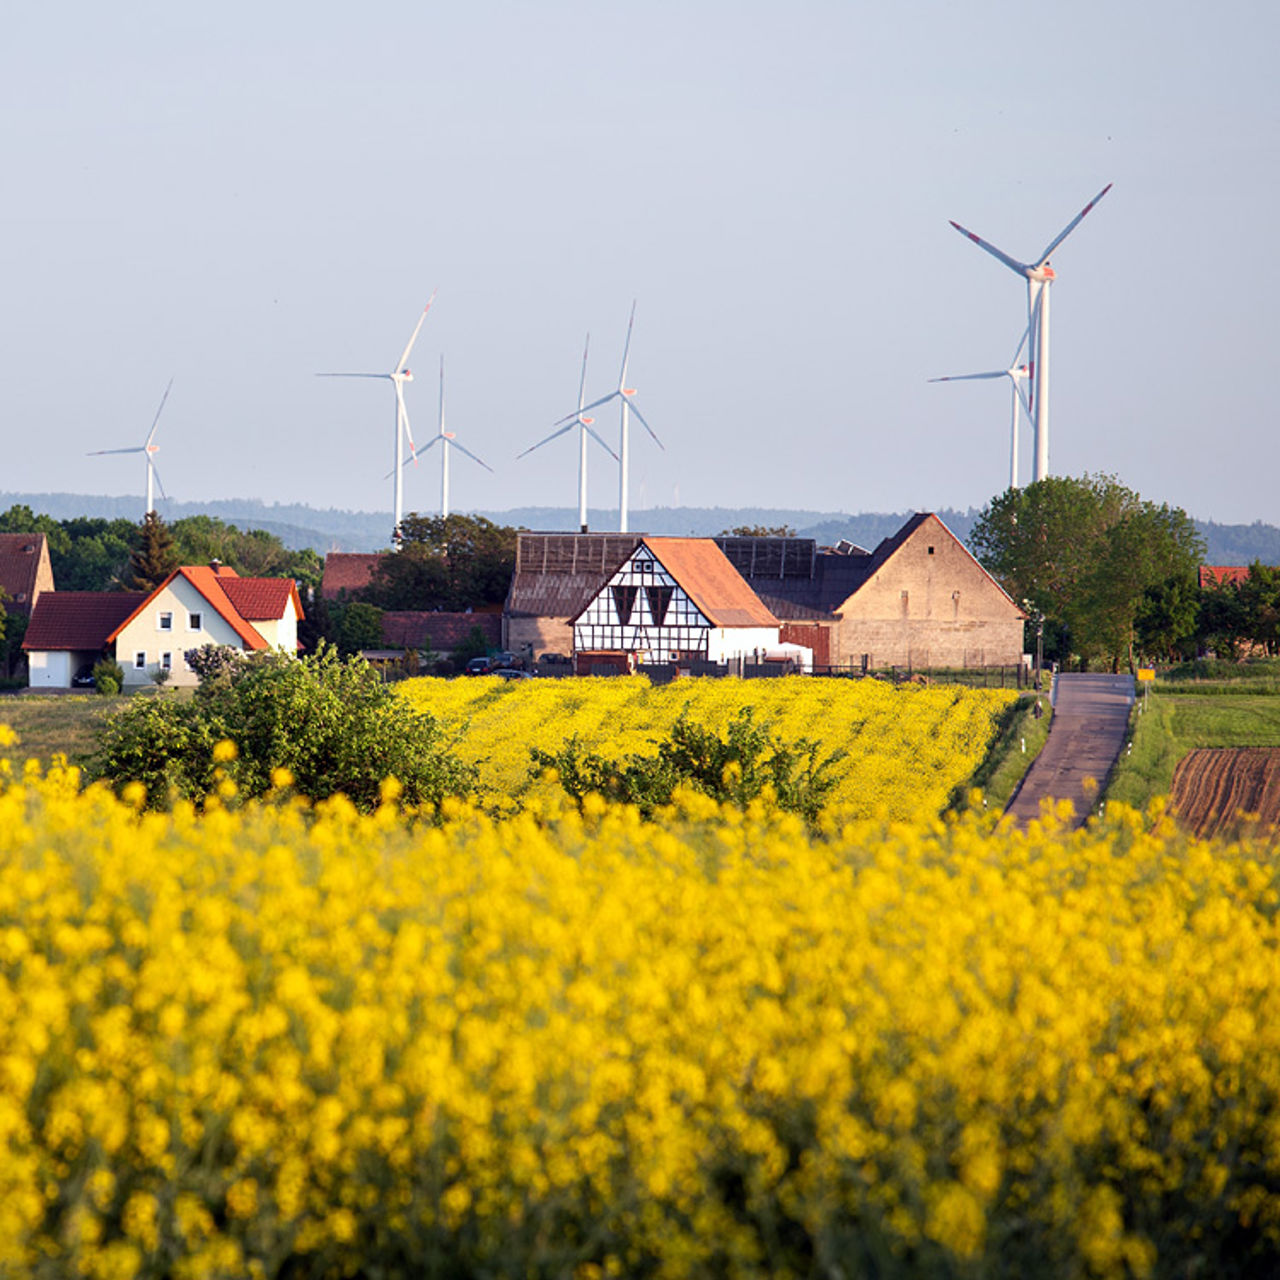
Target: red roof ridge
{"points": [[205, 581]]}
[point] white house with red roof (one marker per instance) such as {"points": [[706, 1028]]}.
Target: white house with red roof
{"points": [[194, 606], [205, 604]]}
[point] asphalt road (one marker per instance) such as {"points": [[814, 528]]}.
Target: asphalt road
{"points": [[1090, 716]]}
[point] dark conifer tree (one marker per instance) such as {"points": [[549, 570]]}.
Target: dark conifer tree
{"points": [[154, 558]]}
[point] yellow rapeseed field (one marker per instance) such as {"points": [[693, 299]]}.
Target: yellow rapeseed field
{"points": [[270, 1038], [908, 748]]}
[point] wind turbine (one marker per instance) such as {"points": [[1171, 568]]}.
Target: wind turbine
{"points": [[585, 428], [623, 394], [1039, 275], [398, 377], [148, 448], [447, 441], [1018, 375]]}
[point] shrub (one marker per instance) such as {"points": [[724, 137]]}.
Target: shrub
{"points": [[331, 723], [108, 677], [737, 769]]}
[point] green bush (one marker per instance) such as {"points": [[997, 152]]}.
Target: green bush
{"points": [[330, 722], [735, 769], [108, 677]]}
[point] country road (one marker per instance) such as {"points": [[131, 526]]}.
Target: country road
{"points": [[1090, 716]]}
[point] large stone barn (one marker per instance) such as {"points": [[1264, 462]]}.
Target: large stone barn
{"points": [[920, 599]]}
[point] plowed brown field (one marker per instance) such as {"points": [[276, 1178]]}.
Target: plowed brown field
{"points": [[1214, 790]]}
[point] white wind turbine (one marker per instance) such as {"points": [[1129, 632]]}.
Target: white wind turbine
{"points": [[446, 440], [1019, 375], [585, 428], [147, 449], [398, 377], [1039, 275], [623, 394]]}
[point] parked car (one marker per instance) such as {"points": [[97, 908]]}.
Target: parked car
{"points": [[507, 661], [83, 679], [511, 673], [556, 659], [479, 666]]}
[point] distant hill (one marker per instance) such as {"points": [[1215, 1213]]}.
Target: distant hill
{"points": [[331, 529]]}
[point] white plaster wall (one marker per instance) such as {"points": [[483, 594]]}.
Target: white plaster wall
{"points": [[143, 634]]}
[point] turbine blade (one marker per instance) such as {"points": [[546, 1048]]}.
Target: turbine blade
{"points": [[1022, 342], [600, 440], [97, 453], [155, 422], [156, 474], [472, 456], [969, 377], [1012, 263], [404, 359], [353, 375], [582, 385], [1070, 227], [626, 350], [646, 426], [403, 413], [546, 440], [595, 404]]}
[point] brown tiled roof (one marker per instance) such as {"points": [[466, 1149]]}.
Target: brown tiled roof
{"points": [[445, 631], [262, 599], [711, 582], [20, 555], [348, 571], [1216, 575], [209, 583], [558, 573], [80, 620]]}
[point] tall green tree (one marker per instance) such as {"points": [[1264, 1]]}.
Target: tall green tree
{"points": [[252, 553], [451, 562], [154, 558], [1084, 553]]}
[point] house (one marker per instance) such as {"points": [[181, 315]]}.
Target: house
{"points": [[347, 573], [920, 599], [25, 572], [555, 575], [68, 631], [673, 600], [205, 604]]}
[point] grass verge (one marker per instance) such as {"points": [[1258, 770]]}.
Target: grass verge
{"points": [[47, 725], [1175, 723], [1014, 748]]}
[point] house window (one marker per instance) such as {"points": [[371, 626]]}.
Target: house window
{"points": [[166, 662], [140, 660], [931, 551], [195, 621], [165, 622]]}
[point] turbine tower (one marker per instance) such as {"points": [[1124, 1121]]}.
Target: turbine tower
{"points": [[585, 428], [147, 448], [624, 394], [1019, 375], [447, 441], [1039, 275], [398, 377]]}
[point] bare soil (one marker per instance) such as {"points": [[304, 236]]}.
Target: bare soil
{"points": [[1221, 791]]}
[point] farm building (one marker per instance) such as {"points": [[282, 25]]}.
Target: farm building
{"points": [[920, 599], [347, 573], [555, 575], [25, 572], [68, 632], [675, 600]]}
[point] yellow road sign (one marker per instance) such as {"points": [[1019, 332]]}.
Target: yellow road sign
{"points": [[1146, 673]]}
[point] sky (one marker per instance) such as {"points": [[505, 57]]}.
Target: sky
{"points": [[240, 196]]}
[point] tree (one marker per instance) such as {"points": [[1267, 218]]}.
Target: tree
{"points": [[451, 562], [331, 723], [758, 531], [1083, 553], [154, 558], [252, 553], [96, 553]]}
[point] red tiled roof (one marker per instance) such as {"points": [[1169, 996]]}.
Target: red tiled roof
{"points": [[1216, 575], [409, 629], [20, 555], [348, 571], [79, 620], [209, 583], [711, 582], [261, 599]]}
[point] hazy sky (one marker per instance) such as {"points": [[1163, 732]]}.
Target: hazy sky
{"points": [[240, 196]]}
